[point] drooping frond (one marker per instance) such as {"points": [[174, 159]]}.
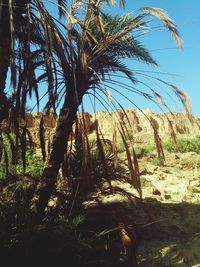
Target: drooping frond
{"points": [[128, 46], [165, 19], [62, 4], [114, 2]]}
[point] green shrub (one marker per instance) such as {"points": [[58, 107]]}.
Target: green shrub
{"points": [[120, 147], [57, 242], [157, 162], [143, 150], [34, 165], [183, 145]]}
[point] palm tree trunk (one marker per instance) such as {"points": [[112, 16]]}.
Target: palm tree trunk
{"points": [[56, 157]]}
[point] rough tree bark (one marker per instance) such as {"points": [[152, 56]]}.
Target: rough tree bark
{"points": [[58, 148]]}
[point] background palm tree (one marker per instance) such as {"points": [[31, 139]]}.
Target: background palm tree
{"points": [[25, 53], [96, 45], [25, 48]]}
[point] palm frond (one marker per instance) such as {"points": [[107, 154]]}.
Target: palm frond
{"points": [[165, 19], [62, 4], [42, 138]]}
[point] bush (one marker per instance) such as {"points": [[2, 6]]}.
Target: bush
{"points": [[143, 150], [34, 165], [183, 145], [120, 147], [157, 162]]}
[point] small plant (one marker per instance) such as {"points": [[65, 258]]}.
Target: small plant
{"points": [[157, 162], [120, 147], [34, 165], [143, 150]]}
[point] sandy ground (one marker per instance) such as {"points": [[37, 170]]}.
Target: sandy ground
{"points": [[172, 198], [174, 194]]}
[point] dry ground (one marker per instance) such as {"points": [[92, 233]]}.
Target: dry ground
{"points": [[172, 199]]}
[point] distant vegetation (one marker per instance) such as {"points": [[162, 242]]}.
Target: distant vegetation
{"points": [[140, 150], [11, 162], [183, 145], [34, 162]]}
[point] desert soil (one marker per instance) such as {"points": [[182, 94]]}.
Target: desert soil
{"points": [[171, 196], [173, 192]]}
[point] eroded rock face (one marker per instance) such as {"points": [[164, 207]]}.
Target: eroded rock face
{"points": [[33, 125], [136, 122], [49, 124]]}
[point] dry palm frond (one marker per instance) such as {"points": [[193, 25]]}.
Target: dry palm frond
{"points": [[113, 2], [13, 65], [132, 164], [157, 140], [114, 147], [103, 158], [164, 18], [61, 7], [42, 137], [123, 3], [172, 132], [184, 98], [86, 169], [12, 148]]}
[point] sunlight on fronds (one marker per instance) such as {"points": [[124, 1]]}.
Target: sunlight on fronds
{"points": [[165, 19]]}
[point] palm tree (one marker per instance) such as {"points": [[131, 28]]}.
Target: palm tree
{"points": [[96, 46], [25, 48], [25, 53]]}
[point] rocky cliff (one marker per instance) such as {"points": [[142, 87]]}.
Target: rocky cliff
{"points": [[138, 124]]}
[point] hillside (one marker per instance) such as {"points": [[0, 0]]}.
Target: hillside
{"points": [[167, 223], [163, 229], [137, 123]]}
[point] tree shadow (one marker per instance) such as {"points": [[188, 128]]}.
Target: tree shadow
{"points": [[161, 234], [167, 234], [174, 238]]}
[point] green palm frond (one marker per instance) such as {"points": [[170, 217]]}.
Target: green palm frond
{"points": [[109, 65], [131, 48]]}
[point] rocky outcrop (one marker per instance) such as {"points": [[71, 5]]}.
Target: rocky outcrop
{"points": [[137, 123], [33, 121]]}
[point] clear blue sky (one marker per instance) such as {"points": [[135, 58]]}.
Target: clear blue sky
{"points": [[186, 63]]}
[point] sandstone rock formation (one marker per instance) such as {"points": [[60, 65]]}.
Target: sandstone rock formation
{"points": [[136, 122]]}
